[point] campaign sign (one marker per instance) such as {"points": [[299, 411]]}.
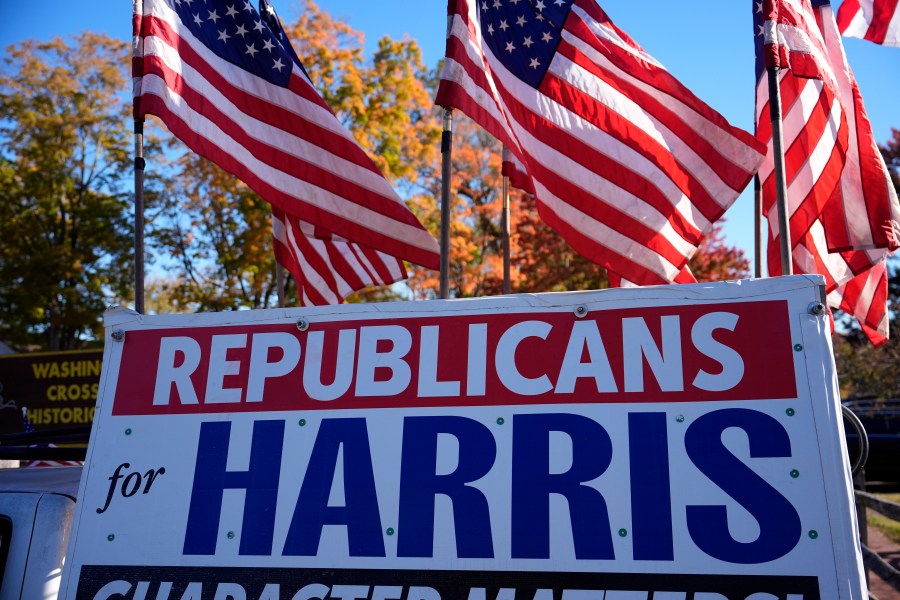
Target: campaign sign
{"points": [[676, 442]]}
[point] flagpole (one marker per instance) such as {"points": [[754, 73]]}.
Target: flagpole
{"points": [[787, 267], [757, 228], [279, 283], [504, 226], [446, 167], [137, 11], [139, 215]]}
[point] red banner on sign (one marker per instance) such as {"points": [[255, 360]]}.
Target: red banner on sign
{"points": [[738, 351]]}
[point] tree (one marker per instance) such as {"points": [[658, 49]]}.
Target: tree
{"points": [[717, 261], [65, 230], [220, 235]]}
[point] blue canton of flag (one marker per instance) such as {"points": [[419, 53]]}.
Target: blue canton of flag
{"points": [[758, 39], [524, 34], [236, 32], [26, 422]]}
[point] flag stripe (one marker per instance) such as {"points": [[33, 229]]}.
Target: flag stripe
{"points": [[633, 173], [622, 124], [579, 231], [874, 20]]}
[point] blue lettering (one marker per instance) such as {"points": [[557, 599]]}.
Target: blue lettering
{"points": [[360, 513], [419, 484], [532, 484], [211, 479], [779, 523], [651, 496]]}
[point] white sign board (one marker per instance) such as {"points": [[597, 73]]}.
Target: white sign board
{"points": [[678, 442]]}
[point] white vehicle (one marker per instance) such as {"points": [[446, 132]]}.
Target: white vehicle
{"points": [[37, 507]]}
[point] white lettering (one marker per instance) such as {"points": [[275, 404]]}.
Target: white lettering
{"points": [[272, 591], [477, 363], [638, 344], [113, 588], [429, 386], [505, 359], [167, 373], [626, 595], [582, 594], [343, 365], [387, 592], [230, 591], [422, 593], [585, 333], [220, 367], [313, 591], [502, 594], [260, 367], [350, 592], [193, 591], [732, 363], [370, 360]]}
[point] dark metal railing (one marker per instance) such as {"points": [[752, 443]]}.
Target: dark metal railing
{"points": [[41, 445]]}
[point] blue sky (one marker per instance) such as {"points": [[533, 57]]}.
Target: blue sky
{"points": [[707, 44]]}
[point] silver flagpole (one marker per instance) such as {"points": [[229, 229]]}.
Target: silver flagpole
{"points": [[446, 171], [757, 228], [279, 283], [504, 226], [784, 231], [137, 8], [139, 215]]}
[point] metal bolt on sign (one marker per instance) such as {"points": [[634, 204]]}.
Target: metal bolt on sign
{"points": [[302, 324], [581, 311], [118, 335], [817, 309]]}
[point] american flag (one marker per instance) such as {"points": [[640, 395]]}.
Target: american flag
{"points": [[874, 20], [842, 206], [625, 162], [224, 79]]}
